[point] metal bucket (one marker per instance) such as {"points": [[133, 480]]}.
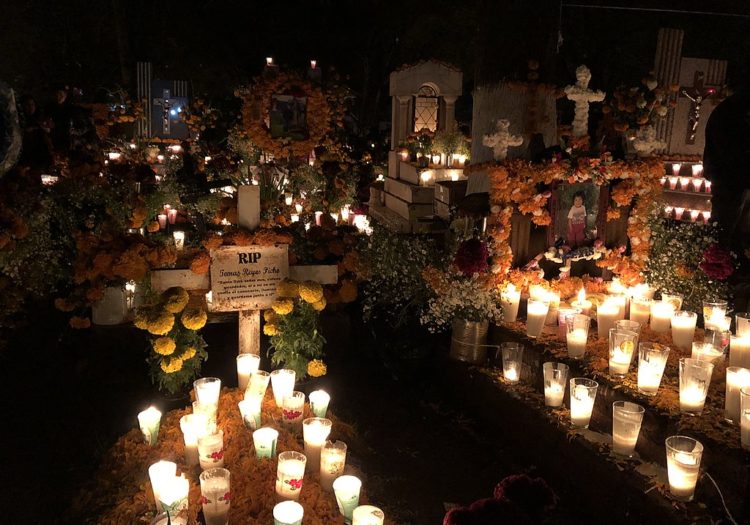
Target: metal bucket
{"points": [[469, 340]]}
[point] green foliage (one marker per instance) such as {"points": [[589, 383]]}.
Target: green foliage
{"points": [[178, 381], [298, 339]]}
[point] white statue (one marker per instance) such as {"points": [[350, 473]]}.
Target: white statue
{"points": [[501, 140], [645, 142], [582, 96]]}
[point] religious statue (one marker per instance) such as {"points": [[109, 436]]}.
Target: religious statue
{"points": [[582, 96], [501, 139], [645, 141], [697, 95]]}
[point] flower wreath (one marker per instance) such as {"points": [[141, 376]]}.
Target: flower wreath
{"points": [[319, 114]]}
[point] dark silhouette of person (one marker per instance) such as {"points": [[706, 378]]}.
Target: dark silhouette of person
{"points": [[60, 114], [36, 151]]}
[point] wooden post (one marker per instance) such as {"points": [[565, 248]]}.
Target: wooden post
{"points": [[249, 325], [248, 214]]}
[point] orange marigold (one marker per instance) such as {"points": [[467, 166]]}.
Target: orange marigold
{"points": [[79, 323]]}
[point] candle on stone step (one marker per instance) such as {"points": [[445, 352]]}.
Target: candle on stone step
{"points": [[179, 240], [606, 314], [162, 218], [622, 344], [737, 379], [683, 465], [149, 420], [288, 513], [512, 355], [652, 359], [282, 383], [661, 316], [315, 431], [295, 217], [288, 199], [582, 397], [695, 377], [683, 329], [347, 489], [555, 379], [247, 365], [739, 350], [577, 336], [318, 215], [193, 426], [332, 463], [319, 400], [290, 475], [510, 297], [581, 303], [264, 440], [536, 314], [562, 321], [676, 167], [160, 474], [626, 425]]}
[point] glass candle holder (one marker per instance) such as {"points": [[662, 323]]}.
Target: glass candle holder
{"points": [[315, 431], [247, 365], [555, 379], [250, 410], [215, 495], [683, 329], [282, 383], [675, 299], [737, 379], [510, 298], [347, 489], [621, 300], [739, 350], [622, 345], [581, 303], [706, 352], [368, 515], [683, 465], [179, 239], [720, 324], [160, 473], [577, 336], [640, 310], [149, 421], [695, 376], [332, 463], [211, 450], [582, 397], [264, 440], [628, 326], [292, 409], [661, 316], [714, 310], [290, 475], [173, 495], [288, 513], [606, 314], [719, 338], [562, 321], [319, 400], [626, 425], [512, 361], [742, 322], [553, 298], [745, 418], [193, 426], [258, 383], [536, 315], [162, 218], [652, 359], [207, 390]]}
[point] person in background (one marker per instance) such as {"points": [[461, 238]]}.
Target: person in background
{"points": [[60, 113], [36, 152]]}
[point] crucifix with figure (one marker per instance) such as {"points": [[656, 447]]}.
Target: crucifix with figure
{"points": [[165, 102], [697, 95]]}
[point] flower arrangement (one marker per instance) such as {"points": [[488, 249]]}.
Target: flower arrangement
{"points": [[451, 143], [634, 107], [292, 322], [177, 349], [419, 142]]}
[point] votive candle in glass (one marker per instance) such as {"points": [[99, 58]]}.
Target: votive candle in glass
{"points": [[149, 420], [368, 515], [742, 320], [250, 410], [739, 350], [577, 336], [714, 312], [720, 339], [258, 383], [211, 450], [510, 297], [162, 218], [685, 183], [626, 425], [264, 440], [172, 216], [673, 182], [315, 431], [695, 377], [332, 463], [193, 426], [179, 240], [582, 397], [512, 354], [536, 314], [661, 316], [621, 300], [555, 379], [318, 215], [622, 345], [640, 310], [215, 495], [629, 326], [173, 495], [160, 474], [582, 303], [706, 352], [282, 383], [674, 298], [683, 466], [720, 324], [207, 392], [290, 475], [247, 365], [553, 298], [288, 513], [295, 217], [319, 400], [652, 359], [676, 167], [606, 314], [347, 489], [737, 379], [292, 409], [562, 321], [745, 418], [683, 329]]}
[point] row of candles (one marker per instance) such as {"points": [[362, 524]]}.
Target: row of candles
{"points": [[681, 213], [436, 159], [204, 446]]}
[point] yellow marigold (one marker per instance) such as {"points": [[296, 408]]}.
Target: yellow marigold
{"points": [[319, 306], [283, 306], [175, 299], [140, 320], [269, 316], [270, 329], [171, 365], [316, 368], [189, 353], [287, 288], [310, 291], [194, 318], [164, 346], [160, 324]]}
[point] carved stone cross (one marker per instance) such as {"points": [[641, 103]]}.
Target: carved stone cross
{"points": [[582, 96], [501, 139], [697, 94]]}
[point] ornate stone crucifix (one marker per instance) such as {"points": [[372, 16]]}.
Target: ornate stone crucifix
{"points": [[582, 96], [697, 94]]}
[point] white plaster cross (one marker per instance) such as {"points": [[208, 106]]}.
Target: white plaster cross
{"points": [[501, 139], [582, 96]]}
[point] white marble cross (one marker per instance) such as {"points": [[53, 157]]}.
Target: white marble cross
{"points": [[501, 139], [582, 96]]}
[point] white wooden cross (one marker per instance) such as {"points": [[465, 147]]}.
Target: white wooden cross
{"points": [[501, 139], [582, 96]]}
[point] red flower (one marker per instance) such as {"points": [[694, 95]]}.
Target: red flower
{"points": [[295, 484], [471, 257], [204, 500], [218, 455], [291, 414], [717, 263], [226, 497]]}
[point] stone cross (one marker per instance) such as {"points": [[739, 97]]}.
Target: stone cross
{"points": [[166, 106], [645, 142], [501, 139], [582, 96], [697, 94]]}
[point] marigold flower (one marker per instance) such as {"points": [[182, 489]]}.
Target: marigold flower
{"points": [[269, 316], [316, 368], [287, 288], [175, 299], [283, 306], [310, 291], [164, 345], [320, 305], [194, 318], [189, 353], [171, 365], [160, 324], [270, 329]]}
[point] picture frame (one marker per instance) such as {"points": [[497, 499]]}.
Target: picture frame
{"points": [[579, 214]]}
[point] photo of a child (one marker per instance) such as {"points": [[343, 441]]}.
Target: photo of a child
{"points": [[577, 221], [576, 213]]}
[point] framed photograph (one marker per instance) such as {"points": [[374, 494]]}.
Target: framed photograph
{"points": [[288, 117], [579, 214]]}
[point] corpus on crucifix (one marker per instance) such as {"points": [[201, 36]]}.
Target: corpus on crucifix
{"points": [[582, 96], [501, 139], [697, 94], [167, 106]]}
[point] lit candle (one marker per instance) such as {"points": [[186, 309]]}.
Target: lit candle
{"points": [[179, 240], [697, 183], [258, 384], [536, 314], [207, 392], [367, 515], [318, 215], [282, 383], [269, 61], [193, 426], [162, 218], [315, 431], [313, 64], [332, 463], [290, 475], [512, 359], [555, 378], [578, 333], [745, 418], [211, 450], [622, 344], [661, 316], [172, 216], [553, 298], [737, 378], [581, 303], [292, 409], [679, 211], [298, 208], [426, 177], [562, 321], [335, 217], [621, 300], [149, 421], [683, 329], [215, 495], [510, 298], [436, 159], [683, 466], [403, 155], [247, 365], [742, 320], [675, 299], [697, 169], [685, 183], [345, 212], [347, 489], [295, 217], [695, 376], [706, 352], [739, 349], [707, 186], [652, 359], [706, 215], [715, 315], [673, 182], [250, 410], [582, 396], [264, 440], [606, 314], [626, 425], [288, 199], [319, 400], [174, 495], [160, 474], [668, 211], [676, 167], [288, 513]]}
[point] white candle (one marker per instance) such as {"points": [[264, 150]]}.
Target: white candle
{"points": [[315, 431], [172, 217], [282, 383], [290, 475], [553, 298], [149, 421], [745, 418], [318, 215], [640, 310], [621, 300], [606, 315], [160, 473], [319, 400], [683, 329], [743, 323], [621, 348], [247, 365], [347, 489], [706, 352], [295, 217], [292, 409], [368, 515], [737, 378], [211, 450], [193, 426], [661, 316], [298, 208], [174, 494], [288, 513], [258, 384], [581, 303], [509, 300], [626, 425], [207, 392], [652, 358], [536, 314], [577, 343], [264, 440], [250, 410], [553, 395], [695, 377], [332, 463], [582, 396], [674, 299], [215, 495], [562, 321], [162, 218], [683, 465], [739, 350]]}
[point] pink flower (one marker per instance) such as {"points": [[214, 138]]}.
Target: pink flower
{"points": [[471, 257], [717, 263]]}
